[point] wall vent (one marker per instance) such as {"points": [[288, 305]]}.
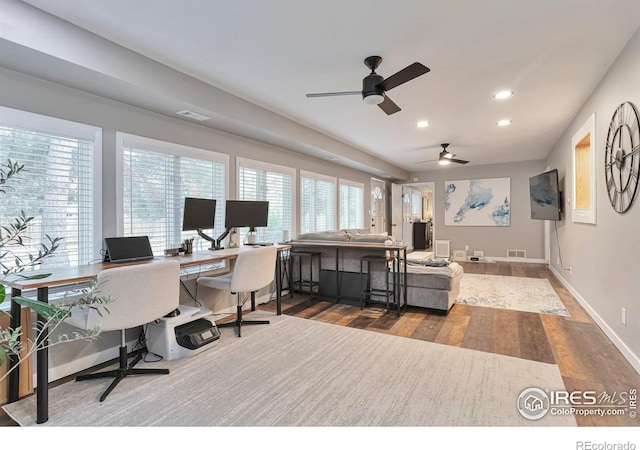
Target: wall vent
{"points": [[516, 253], [192, 115]]}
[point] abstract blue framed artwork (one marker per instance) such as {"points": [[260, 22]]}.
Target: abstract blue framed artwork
{"points": [[477, 203]]}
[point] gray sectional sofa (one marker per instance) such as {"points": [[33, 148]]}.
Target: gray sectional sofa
{"points": [[435, 288]]}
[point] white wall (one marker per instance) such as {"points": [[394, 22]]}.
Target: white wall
{"points": [[605, 257], [522, 234]]}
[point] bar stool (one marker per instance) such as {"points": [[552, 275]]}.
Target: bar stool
{"points": [[368, 291], [285, 271], [301, 282]]}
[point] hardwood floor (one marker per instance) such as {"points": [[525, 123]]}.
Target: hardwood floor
{"points": [[587, 359]]}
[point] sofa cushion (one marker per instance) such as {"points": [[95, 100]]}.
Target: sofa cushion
{"points": [[368, 238], [356, 230], [324, 236]]}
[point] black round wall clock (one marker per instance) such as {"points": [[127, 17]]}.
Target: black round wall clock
{"points": [[622, 157]]}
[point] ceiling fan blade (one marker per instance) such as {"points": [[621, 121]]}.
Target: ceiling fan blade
{"points": [[407, 74], [459, 161], [428, 160], [389, 106], [334, 94]]}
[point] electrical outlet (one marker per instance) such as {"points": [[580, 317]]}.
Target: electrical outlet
{"points": [[624, 316]]}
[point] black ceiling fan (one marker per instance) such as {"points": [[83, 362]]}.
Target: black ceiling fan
{"points": [[374, 86], [445, 157]]}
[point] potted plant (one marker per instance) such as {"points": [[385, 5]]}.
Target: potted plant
{"points": [[14, 266]]}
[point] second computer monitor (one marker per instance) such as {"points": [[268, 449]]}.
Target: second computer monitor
{"points": [[199, 214], [245, 213]]}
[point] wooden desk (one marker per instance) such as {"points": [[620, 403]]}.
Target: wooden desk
{"points": [[399, 252], [75, 275]]}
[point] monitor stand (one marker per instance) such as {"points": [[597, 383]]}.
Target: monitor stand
{"points": [[207, 238], [217, 244]]}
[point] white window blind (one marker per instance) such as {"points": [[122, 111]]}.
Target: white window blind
{"points": [[275, 184], [156, 177], [416, 203], [58, 187], [317, 202], [351, 204]]}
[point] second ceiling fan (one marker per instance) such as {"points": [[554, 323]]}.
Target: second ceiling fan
{"points": [[374, 86], [445, 157]]}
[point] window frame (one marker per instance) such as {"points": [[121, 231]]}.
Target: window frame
{"points": [[269, 167], [169, 148], [354, 184], [39, 122], [336, 201]]}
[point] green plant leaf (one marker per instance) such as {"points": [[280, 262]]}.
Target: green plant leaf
{"points": [[46, 310], [3, 356], [3, 295], [33, 277]]}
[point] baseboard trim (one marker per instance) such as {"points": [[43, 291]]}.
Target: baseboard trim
{"points": [[494, 259], [619, 343], [524, 260]]}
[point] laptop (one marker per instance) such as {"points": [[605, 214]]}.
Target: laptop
{"points": [[128, 249]]}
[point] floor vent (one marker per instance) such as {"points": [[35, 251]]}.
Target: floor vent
{"points": [[516, 253]]}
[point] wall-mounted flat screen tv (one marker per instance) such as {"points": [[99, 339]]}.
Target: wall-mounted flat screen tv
{"points": [[545, 196]]}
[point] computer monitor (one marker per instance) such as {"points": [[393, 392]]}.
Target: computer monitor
{"points": [[199, 214], [244, 213], [127, 249]]}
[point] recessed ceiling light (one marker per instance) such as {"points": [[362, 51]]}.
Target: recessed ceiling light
{"points": [[502, 95], [423, 124], [503, 122]]}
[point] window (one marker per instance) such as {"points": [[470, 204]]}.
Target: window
{"points": [[317, 202], [416, 203], [60, 185], [156, 176], [351, 204], [275, 184]]}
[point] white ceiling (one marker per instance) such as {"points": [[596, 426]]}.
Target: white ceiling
{"points": [[551, 53]]}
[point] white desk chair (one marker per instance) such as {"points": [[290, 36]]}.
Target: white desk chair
{"points": [[254, 269], [140, 294]]}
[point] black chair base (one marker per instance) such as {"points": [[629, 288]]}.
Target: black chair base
{"points": [[240, 321], [121, 372]]}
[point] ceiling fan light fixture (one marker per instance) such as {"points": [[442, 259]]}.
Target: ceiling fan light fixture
{"points": [[374, 99], [503, 122], [423, 124], [444, 162]]}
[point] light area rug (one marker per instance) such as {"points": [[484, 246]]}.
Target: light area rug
{"points": [[300, 372], [516, 293]]}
